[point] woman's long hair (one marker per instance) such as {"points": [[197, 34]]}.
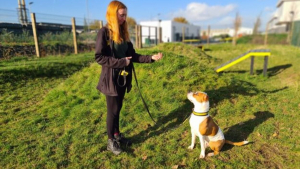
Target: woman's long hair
{"points": [[118, 33]]}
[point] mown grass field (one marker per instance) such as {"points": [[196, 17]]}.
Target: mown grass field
{"points": [[52, 116]]}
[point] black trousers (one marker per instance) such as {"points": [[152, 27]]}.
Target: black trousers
{"points": [[114, 106]]}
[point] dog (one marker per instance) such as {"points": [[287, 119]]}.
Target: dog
{"points": [[203, 126]]}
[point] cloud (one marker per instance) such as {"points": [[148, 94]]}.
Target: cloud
{"points": [[200, 11]]}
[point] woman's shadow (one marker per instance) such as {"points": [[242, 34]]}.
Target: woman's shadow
{"points": [[174, 119]]}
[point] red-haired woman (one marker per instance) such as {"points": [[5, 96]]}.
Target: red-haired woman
{"points": [[115, 53]]}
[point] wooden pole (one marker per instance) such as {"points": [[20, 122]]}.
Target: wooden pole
{"points": [[183, 34], [208, 33], [74, 35], [24, 11], [100, 24], [140, 37], [156, 36], [136, 36], [266, 34], [160, 35], [267, 29], [36, 40]]}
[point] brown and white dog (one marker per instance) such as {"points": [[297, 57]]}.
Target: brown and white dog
{"points": [[203, 126]]}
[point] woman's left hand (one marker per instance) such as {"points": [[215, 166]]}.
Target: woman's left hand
{"points": [[157, 56]]}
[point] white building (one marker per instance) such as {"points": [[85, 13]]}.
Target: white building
{"points": [[287, 12], [228, 31], [171, 31]]}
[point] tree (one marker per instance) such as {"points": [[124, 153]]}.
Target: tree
{"points": [[85, 26], [131, 23], [256, 26], [237, 25], [94, 25], [180, 20]]}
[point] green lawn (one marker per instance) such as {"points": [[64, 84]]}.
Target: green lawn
{"points": [[52, 116]]}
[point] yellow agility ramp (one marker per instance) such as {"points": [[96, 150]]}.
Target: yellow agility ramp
{"points": [[252, 53]]}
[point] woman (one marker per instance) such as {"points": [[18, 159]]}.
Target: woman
{"points": [[115, 53]]}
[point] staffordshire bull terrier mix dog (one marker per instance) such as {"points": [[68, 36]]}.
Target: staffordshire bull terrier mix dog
{"points": [[203, 126]]}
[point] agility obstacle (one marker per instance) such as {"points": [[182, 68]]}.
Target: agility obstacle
{"points": [[252, 53]]}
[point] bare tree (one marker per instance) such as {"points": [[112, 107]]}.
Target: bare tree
{"points": [[257, 25], [237, 25]]}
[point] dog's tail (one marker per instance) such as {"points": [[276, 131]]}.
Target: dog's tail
{"points": [[236, 143]]}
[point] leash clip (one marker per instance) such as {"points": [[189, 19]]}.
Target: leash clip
{"points": [[124, 73]]}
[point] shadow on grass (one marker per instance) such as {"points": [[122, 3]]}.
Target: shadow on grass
{"points": [[238, 87], [53, 70], [270, 72], [176, 117], [241, 131], [166, 123]]}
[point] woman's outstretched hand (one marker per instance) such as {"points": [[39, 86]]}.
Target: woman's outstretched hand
{"points": [[128, 60], [157, 56]]}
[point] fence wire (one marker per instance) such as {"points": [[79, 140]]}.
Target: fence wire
{"points": [[296, 34]]}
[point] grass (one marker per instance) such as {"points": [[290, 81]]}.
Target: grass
{"points": [[52, 116], [275, 39]]}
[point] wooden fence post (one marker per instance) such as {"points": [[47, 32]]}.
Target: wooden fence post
{"points": [[137, 36], [208, 32], [140, 37], [183, 34], [36, 40], [74, 35], [100, 24], [160, 35], [156, 34]]}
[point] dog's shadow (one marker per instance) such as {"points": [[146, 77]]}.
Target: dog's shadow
{"points": [[241, 131]]}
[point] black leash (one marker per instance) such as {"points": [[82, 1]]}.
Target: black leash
{"points": [[145, 105]]}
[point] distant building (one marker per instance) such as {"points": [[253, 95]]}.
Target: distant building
{"points": [[287, 12], [228, 31], [171, 31]]}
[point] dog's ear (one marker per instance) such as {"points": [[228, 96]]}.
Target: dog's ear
{"points": [[205, 98]]}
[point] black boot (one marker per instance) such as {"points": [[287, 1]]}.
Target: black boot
{"points": [[122, 140], [114, 146]]}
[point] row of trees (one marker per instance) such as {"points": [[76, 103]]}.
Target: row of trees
{"points": [[94, 25]]}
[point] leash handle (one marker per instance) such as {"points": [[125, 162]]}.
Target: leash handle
{"points": [[145, 105]]}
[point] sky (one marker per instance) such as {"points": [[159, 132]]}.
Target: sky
{"points": [[216, 13]]}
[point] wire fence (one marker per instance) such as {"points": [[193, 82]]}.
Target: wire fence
{"points": [[54, 33], [9, 16], [296, 34]]}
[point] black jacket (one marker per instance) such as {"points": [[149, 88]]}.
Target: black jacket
{"points": [[105, 57]]}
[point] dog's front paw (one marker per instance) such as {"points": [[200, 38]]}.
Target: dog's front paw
{"points": [[191, 147], [201, 156]]}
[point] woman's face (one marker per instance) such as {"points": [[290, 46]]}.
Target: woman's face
{"points": [[122, 14]]}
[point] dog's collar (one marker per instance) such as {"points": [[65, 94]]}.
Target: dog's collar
{"points": [[200, 114]]}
